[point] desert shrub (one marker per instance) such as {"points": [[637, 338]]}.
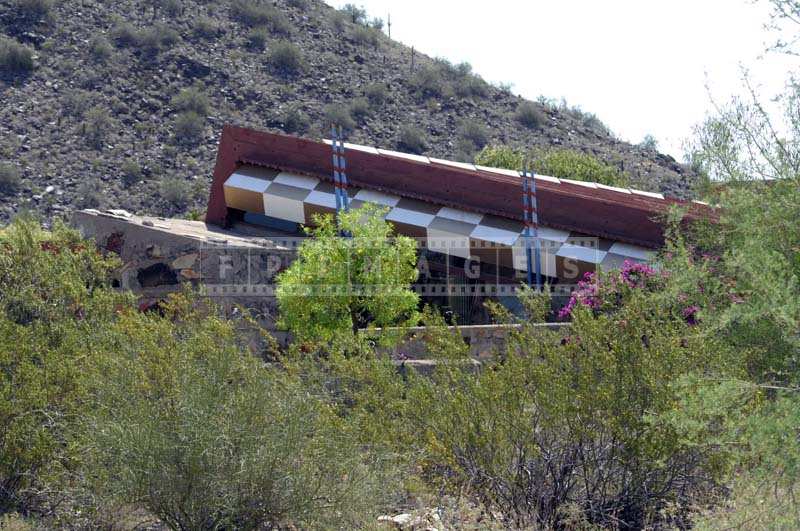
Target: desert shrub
{"points": [[359, 109], [298, 4], [570, 164], [96, 126], [560, 429], [256, 13], [205, 436], [191, 99], [176, 192], [100, 49], [372, 261], [131, 173], [285, 59], [460, 80], [474, 132], [411, 139], [32, 10], [529, 115], [338, 20], [53, 299], [205, 28], [171, 8], [89, 194], [189, 128], [125, 35], [9, 179], [257, 38], [471, 86], [153, 40], [561, 163], [15, 58], [427, 82], [168, 36], [365, 35], [294, 120], [501, 157], [76, 102], [339, 115], [376, 93]]}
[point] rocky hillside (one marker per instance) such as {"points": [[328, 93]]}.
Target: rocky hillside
{"points": [[120, 104]]}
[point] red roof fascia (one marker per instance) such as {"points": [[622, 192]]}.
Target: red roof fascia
{"points": [[598, 212]]}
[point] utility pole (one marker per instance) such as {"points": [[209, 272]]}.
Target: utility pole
{"points": [[389, 23]]}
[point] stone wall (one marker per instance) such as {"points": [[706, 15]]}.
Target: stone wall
{"points": [[158, 255]]}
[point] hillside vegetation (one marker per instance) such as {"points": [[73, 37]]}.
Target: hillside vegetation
{"points": [[121, 104]]}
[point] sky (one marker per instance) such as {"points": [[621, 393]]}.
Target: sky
{"points": [[642, 66]]}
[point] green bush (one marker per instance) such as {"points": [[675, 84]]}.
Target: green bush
{"points": [[150, 41], [285, 59], [189, 128], [376, 93], [172, 8], [100, 49], [131, 173], [370, 274], [257, 38], [33, 10], [561, 163], [474, 132], [204, 436], [428, 83], [529, 115], [294, 121], [411, 139], [176, 192], [191, 99], [364, 35], [76, 102], [9, 179], [501, 157], [167, 36], [570, 164], [89, 194], [256, 13], [15, 58], [125, 35], [96, 127], [471, 86], [205, 28], [552, 409], [53, 300], [339, 115], [359, 109], [460, 80]]}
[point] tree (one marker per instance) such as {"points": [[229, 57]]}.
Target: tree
{"points": [[649, 143], [339, 284]]}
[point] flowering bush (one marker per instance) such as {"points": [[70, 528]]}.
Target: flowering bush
{"points": [[606, 292]]}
